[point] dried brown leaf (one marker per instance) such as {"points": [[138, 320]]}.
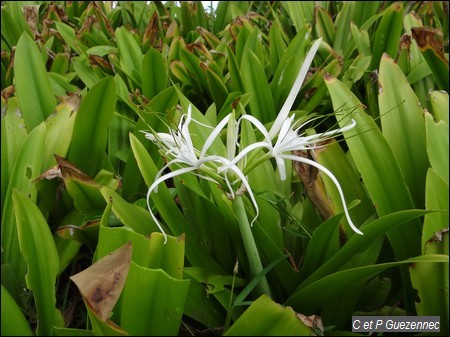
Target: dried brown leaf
{"points": [[102, 283]]}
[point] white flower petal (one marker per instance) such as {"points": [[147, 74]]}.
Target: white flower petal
{"points": [[286, 108], [333, 179], [214, 134], [154, 187]]}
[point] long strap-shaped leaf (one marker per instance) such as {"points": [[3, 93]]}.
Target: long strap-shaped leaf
{"points": [[90, 130], [39, 250]]}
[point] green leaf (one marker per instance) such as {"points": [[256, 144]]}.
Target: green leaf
{"points": [[162, 302], [155, 266], [33, 89], [85, 73], [403, 127], [387, 35], [13, 135], [255, 82], [361, 38], [378, 167], [39, 251], [59, 127], [91, 125], [130, 215], [236, 79], [69, 36], [268, 318], [130, 55], [325, 25], [358, 243], [312, 297], [437, 140], [335, 159], [288, 67], [148, 251], [431, 280], [26, 168], [216, 87], [440, 105], [11, 30], [13, 324], [436, 198], [155, 74], [301, 13]]}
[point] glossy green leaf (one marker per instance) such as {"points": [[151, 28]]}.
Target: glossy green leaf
{"points": [[431, 280], [277, 45], [203, 307], [378, 167], [72, 332], [301, 13], [325, 26], [342, 42], [130, 215], [59, 127], [162, 303], [216, 87], [313, 296], [361, 38], [89, 137], [13, 324], [214, 238], [69, 36], [161, 104], [101, 328], [85, 73], [333, 158], [358, 243], [26, 168], [255, 82], [11, 31], [192, 65], [277, 321], [154, 74], [440, 105], [437, 198], [387, 34], [149, 252], [13, 135], [130, 55], [33, 89], [18, 21], [39, 251], [437, 136], [235, 73], [403, 127], [154, 263]]}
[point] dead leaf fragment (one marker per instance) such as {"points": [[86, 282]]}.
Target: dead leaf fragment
{"points": [[101, 284], [314, 322]]}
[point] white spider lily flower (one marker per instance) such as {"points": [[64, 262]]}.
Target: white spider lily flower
{"points": [[179, 149], [288, 138]]}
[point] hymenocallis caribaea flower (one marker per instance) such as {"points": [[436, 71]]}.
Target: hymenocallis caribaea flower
{"points": [[279, 142]]}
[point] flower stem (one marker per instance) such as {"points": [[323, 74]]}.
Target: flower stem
{"points": [[250, 246]]}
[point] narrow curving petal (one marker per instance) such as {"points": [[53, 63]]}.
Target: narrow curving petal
{"points": [[333, 179], [155, 185], [286, 108]]}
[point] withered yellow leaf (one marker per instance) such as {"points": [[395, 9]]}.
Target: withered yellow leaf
{"points": [[102, 283]]}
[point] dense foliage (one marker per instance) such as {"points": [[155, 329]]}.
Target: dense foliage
{"points": [[81, 81]]}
